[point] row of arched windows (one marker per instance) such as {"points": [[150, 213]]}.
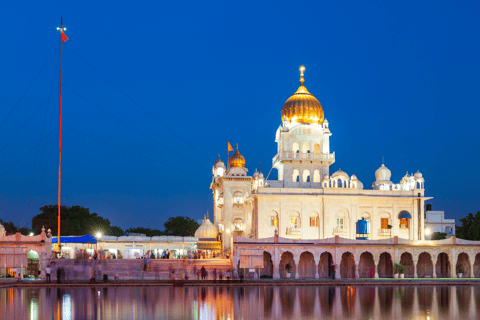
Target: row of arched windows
{"points": [[305, 148], [306, 177]]}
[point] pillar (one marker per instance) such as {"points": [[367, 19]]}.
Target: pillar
{"points": [[276, 264], [415, 267], [376, 262], [316, 267], [472, 262], [357, 263], [297, 261], [434, 263], [338, 274]]}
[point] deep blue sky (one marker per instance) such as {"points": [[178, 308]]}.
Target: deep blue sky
{"points": [[399, 80]]}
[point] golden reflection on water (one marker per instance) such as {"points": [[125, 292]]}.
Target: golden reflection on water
{"points": [[225, 303]]}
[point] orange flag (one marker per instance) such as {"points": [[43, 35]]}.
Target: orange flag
{"points": [[229, 147], [64, 37]]}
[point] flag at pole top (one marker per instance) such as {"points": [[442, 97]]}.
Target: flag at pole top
{"points": [[230, 148], [64, 36]]}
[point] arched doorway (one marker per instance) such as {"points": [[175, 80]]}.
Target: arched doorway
{"points": [[407, 261], [347, 266], [385, 266], [425, 265], [306, 265], [267, 265], [476, 266], [442, 267], [33, 263], [463, 265], [285, 261], [365, 266], [324, 266]]}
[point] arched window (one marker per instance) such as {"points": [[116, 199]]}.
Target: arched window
{"points": [[316, 176], [306, 148], [340, 183], [295, 147], [294, 220], [306, 176], [238, 197], [316, 148], [238, 224], [295, 176]]}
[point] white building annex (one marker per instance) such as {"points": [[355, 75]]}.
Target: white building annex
{"points": [[307, 201]]}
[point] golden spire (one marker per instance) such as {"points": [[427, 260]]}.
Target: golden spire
{"points": [[207, 214], [302, 80]]}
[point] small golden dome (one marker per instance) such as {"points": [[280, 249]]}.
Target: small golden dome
{"points": [[236, 160], [219, 163], [302, 106]]}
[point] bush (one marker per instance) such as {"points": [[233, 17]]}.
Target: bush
{"points": [[400, 268]]}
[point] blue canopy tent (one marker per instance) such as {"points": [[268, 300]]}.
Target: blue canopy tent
{"points": [[404, 215], [76, 239]]}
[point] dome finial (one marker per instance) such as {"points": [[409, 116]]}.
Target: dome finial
{"points": [[237, 146], [207, 214], [302, 69]]}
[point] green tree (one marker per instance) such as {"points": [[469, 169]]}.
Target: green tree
{"points": [[11, 228], [146, 231], [439, 236], [180, 226], [470, 229], [75, 221]]}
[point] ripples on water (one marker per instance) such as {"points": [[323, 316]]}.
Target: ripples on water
{"points": [[289, 302]]}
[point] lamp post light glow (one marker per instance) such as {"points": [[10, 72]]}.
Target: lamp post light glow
{"points": [[98, 236], [31, 234], [428, 232]]}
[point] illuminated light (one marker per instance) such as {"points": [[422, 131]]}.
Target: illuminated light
{"points": [[64, 29], [428, 232], [31, 234], [99, 235], [228, 230], [58, 28]]}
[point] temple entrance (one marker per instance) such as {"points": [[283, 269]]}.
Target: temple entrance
{"points": [[425, 266], [306, 265], [463, 265], [385, 266], [407, 261], [287, 265], [33, 263], [366, 266], [267, 265], [324, 266], [442, 267], [347, 266]]}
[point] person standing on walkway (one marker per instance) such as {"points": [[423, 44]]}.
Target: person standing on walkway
{"points": [[204, 273], [47, 273], [167, 254], [228, 275]]}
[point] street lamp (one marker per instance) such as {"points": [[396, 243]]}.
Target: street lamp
{"points": [[428, 232], [98, 236]]}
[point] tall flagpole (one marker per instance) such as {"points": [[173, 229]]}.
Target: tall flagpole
{"points": [[60, 132]]}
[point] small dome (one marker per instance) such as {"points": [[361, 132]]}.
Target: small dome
{"points": [[255, 174], [340, 173], [260, 175], [302, 106], [418, 175], [207, 230], [359, 185], [354, 177], [383, 173], [219, 163], [236, 160]]}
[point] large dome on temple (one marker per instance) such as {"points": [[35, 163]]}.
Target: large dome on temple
{"points": [[302, 106]]}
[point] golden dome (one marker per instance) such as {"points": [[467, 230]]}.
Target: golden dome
{"points": [[302, 106], [236, 160]]}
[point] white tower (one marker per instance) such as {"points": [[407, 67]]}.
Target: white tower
{"points": [[303, 156]]}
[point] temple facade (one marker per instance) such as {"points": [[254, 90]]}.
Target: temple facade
{"points": [[307, 202]]}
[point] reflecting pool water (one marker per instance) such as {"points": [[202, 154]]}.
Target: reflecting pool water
{"points": [[285, 302]]}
